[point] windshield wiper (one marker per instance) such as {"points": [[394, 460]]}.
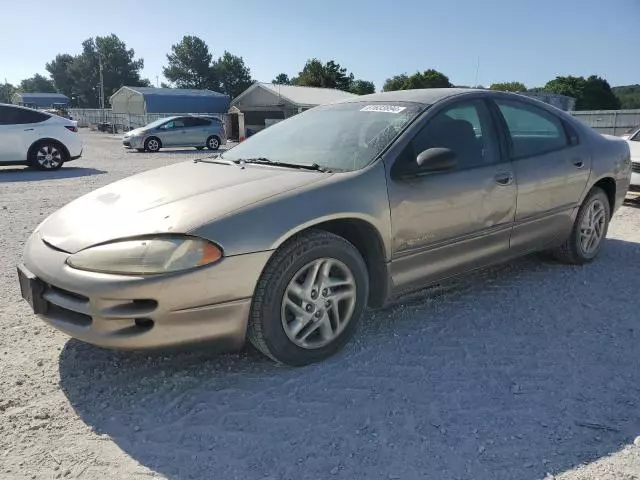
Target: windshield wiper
{"points": [[266, 161]]}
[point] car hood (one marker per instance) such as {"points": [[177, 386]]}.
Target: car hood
{"points": [[173, 199], [134, 132]]}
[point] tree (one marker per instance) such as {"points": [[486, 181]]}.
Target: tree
{"points": [[362, 87], [164, 85], [509, 87], [593, 93], [191, 65], [119, 67], [329, 75], [6, 92], [37, 83], [58, 68], [282, 79], [629, 95], [428, 79], [234, 76]]}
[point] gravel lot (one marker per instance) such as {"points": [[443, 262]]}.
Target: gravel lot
{"points": [[519, 372]]}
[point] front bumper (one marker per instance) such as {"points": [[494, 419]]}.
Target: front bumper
{"points": [[133, 142], [208, 304]]}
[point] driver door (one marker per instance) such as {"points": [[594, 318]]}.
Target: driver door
{"points": [[447, 222], [173, 133]]}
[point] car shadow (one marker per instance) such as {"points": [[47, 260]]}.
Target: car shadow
{"points": [[25, 174], [511, 372]]}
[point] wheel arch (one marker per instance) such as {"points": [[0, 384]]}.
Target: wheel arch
{"points": [[608, 185], [366, 238], [58, 143], [153, 137]]}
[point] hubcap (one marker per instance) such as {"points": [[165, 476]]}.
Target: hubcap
{"points": [[49, 156], [311, 320], [213, 143], [153, 145], [592, 227]]}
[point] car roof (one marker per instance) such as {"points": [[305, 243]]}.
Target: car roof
{"points": [[426, 96]]}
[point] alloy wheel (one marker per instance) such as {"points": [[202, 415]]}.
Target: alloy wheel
{"points": [[49, 157], [318, 303], [592, 227]]}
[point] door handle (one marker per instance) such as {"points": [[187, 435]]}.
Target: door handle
{"points": [[578, 163], [29, 129], [503, 178]]}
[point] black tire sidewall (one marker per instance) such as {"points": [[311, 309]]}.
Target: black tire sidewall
{"points": [[275, 337], [595, 194]]}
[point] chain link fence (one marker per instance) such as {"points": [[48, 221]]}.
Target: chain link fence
{"points": [[107, 120]]}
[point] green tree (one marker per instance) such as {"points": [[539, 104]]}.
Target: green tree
{"points": [[428, 79], [119, 68], [6, 92], [329, 75], [191, 65], [58, 68], [164, 85], [234, 76], [282, 79], [509, 87], [396, 82], [629, 95], [362, 87], [37, 83], [593, 93]]}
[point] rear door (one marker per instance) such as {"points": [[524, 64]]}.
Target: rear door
{"points": [[551, 168], [197, 130], [19, 129]]}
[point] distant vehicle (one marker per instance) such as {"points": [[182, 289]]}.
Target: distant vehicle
{"points": [[285, 239], [186, 131], [632, 132], [36, 138], [59, 112], [633, 139]]}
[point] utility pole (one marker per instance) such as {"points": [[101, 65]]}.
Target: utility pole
{"points": [[101, 81], [157, 84]]}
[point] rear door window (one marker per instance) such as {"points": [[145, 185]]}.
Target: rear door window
{"points": [[533, 131], [196, 122]]}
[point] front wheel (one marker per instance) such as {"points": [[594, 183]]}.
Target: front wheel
{"points": [[309, 299], [589, 230], [152, 144]]}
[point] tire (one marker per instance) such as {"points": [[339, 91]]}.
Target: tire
{"points": [[329, 321], [213, 142], [578, 249], [152, 144], [47, 155], [199, 148]]}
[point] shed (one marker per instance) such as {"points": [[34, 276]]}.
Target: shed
{"points": [[40, 100], [263, 103], [143, 100]]}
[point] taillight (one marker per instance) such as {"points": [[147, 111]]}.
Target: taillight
{"points": [[71, 128]]}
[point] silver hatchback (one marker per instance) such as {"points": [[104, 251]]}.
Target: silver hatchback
{"points": [[186, 131]]}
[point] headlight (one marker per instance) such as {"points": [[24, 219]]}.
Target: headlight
{"points": [[147, 256]]}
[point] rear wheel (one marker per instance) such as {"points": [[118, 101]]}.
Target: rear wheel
{"points": [[309, 299], [213, 142], [47, 156], [152, 144], [589, 230]]}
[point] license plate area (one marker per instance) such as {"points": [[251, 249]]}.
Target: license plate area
{"points": [[32, 289]]}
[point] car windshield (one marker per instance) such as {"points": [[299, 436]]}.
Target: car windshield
{"points": [[158, 122], [343, 137]]}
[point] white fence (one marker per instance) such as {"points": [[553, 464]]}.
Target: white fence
{"points": [[123, 122], [611, 122]]}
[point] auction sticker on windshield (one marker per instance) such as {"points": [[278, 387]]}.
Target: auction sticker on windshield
{"points": [[383, 108]]}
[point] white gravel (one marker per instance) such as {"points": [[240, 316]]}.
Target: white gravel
{"points": [[524, 371]]}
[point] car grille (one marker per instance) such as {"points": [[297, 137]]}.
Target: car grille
{"points": [[126, 143], [635, 167]]}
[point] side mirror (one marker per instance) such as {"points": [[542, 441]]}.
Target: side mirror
{"points": [[436, 160]]}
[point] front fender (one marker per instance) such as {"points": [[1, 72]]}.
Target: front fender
{"points": [[267, 224]]}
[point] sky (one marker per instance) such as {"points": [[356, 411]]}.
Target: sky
{"points": [[471, 41]]}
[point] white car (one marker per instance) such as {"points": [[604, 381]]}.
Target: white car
{"points": [[37, 139], [633, 139]]}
